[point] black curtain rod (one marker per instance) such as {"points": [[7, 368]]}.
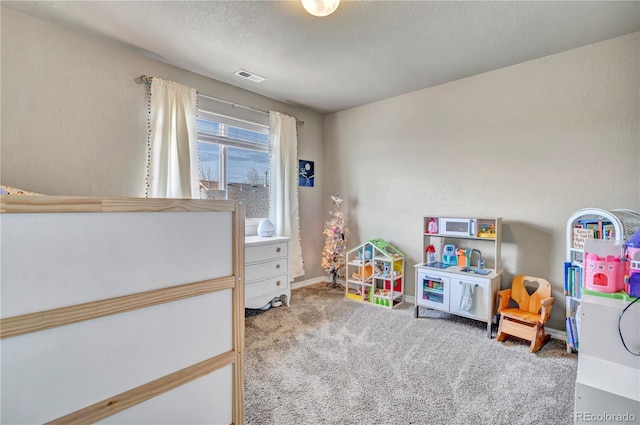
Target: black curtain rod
{"points": [[143, 79]]}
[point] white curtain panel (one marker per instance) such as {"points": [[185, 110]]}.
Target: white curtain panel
{"points": [[283, 199], [173, 147]]}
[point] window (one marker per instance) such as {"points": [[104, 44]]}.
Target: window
{"points": [[234, 155]]}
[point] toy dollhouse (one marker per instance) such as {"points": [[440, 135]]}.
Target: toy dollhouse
{"points": [[603, 274], [375, 274]]}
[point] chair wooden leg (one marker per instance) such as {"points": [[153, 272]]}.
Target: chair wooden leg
{"points": [[539, 339], [501, 336]]}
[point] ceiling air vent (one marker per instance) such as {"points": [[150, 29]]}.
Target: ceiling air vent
{"points": [[249, 76]]}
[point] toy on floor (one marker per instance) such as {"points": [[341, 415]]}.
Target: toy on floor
{"points": [[374, 273]]}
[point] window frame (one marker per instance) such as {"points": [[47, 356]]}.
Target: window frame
{"points": [[224, 141]]}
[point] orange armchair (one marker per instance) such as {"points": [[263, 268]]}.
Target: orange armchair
{"points": [[528, 319]]}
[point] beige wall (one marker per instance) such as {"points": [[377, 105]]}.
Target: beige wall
{"points": [[74, 120], [530, 143]]}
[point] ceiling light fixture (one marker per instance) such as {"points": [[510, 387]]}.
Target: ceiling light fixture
{"points": [[320, 7]]}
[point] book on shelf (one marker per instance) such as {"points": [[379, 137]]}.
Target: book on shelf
{"points": [[576, 277], [608, 231], [566, 277], [572, 280], [570, 336], [572, 332], [580, 234], [572, 326], [597, 229], [576, 322]]}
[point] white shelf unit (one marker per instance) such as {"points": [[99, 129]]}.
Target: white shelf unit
{"points": [[375, 274], [625, 224], [442, 288]]}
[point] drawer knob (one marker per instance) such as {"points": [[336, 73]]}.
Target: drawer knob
{"points": [[278, 283], [278, 249], [277, 266]]}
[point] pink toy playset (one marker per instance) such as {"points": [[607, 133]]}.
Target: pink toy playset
{"points": [[604, 274], [632, 279], [611, 267]]}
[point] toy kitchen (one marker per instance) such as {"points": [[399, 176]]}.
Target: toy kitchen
{"points": [[461, 270]]}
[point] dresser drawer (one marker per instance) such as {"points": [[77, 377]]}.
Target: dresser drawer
{"points": [[265, 252], [266, 269], [262, 287]]}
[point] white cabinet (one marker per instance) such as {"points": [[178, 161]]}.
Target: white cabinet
{"points": [[479, 290], [458, 293], [608, 377], [432, 290], [266, 270], [461, 267]]}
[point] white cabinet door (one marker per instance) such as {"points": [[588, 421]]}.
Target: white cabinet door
{"points": [[470, 298], [432, 290]]}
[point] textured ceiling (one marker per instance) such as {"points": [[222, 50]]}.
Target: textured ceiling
{"points": [[366, 51]]}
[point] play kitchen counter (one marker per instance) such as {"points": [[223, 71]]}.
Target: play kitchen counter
{"points": [[448, 280], [459, 293]]}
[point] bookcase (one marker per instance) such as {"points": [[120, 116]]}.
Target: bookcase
{"points": [[615, 225]]}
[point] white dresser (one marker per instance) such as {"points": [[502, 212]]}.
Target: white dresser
{"points": [[266, 270]]}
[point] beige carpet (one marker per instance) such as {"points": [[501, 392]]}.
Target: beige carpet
{"points": [[330, 360]]}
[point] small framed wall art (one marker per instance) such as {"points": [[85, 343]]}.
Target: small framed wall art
{"points": [[305, 173]]}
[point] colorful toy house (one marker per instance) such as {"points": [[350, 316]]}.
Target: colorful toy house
{"points": [[603, 274], [375, 273], [604, 268]]}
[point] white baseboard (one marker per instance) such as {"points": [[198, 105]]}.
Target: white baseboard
{"points": [[307, 282], [556, 334]]}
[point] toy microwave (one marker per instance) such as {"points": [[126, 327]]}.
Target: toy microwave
{"points": [[458, 226]]}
